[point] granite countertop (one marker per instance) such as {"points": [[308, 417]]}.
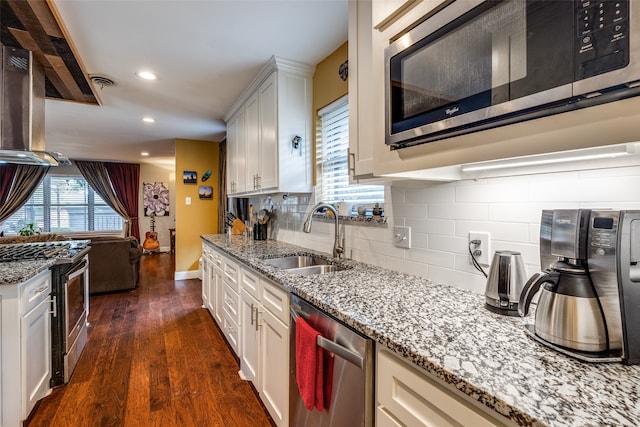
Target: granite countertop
{"points": [[15, 272], [448, 332]]}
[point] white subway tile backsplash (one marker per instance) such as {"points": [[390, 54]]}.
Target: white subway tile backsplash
{"points": [[442, 214], [468, 211]]}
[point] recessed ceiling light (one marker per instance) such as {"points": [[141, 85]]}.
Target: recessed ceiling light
{"points": [[148, 119], [147, 75], [144, 153]]}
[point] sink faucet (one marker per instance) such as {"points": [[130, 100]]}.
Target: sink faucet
{"points": [[338, 250]]}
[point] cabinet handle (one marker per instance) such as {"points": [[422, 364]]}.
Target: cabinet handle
{"points": [[40, 290], [54, 312], [256, 319], [259, 181], [252, 314], [352, 168]]}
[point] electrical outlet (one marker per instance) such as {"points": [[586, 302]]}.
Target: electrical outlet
{"points": [[484, 246], [402, 236]]}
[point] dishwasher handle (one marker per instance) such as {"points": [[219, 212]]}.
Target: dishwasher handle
{"points": [[340, 351], [335, 348]]}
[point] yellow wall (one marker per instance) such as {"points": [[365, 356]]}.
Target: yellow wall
{"points": [[201, 216], [327, 84]]}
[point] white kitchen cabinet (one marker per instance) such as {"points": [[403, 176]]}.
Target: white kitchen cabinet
{"points": [[236, 153], [265, 342], [365, 121], [25, 346], [218, 301], [273, 110], [408, 396]]}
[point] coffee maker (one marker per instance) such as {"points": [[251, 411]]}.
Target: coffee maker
{"points": [[589, 302]]}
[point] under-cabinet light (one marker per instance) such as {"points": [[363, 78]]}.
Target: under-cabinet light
{"points": [[148, 119], [609, 152]]}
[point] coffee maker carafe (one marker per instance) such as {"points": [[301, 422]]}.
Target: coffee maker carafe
{"points": [[589, 303]]}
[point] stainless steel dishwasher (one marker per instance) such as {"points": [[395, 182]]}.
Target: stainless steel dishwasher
{"points": [[351, 383]]}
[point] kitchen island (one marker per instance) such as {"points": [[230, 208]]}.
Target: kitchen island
{"points": [[15, 272], [447, 332]]}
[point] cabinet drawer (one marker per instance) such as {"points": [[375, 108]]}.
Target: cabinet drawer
{"points": [[230, 269], [413, 398], [34, 291], [275, 299], [250, 283], [384, 419], [231, 332], [231, 302]]}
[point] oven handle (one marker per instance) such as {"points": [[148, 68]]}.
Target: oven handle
{"points": [[332, 346], [79, 271], [53, 301]]}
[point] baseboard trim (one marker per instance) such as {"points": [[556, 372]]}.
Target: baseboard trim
{"points": [[184, 275]]}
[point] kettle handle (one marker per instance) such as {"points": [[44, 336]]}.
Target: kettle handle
{"points": [[532, 287]]}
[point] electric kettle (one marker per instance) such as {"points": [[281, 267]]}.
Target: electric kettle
{"points": [[568, 312], [504, 283]]}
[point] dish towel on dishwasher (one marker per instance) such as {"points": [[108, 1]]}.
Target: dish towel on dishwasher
{"points": [[309, 364]]}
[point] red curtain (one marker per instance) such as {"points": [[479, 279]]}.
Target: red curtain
{"points": [[7, 174], [125, 180]]}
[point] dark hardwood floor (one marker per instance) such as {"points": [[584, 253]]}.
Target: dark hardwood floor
{"points": [[154, 358]]}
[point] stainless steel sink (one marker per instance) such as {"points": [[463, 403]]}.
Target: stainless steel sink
{"points": [[314, 269], [304, 265], [296, 261]]}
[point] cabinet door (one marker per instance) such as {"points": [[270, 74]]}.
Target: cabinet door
{"points": [[218, 299], [413, 398], [236, 153], [274, 368], [35, 341], [268, 172], [361, 107], [232, 144], [252, 125], [211, 289], [249, 338], [205, 282]]}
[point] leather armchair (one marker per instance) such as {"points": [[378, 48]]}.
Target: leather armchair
{"points": [[114, 264]]}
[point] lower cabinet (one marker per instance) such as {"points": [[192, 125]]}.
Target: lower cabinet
{"points": [[253, 314], [407, 396], [25, 347], [264, 340]]}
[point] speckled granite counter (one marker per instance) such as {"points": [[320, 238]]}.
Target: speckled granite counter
{"points": [[447, 332], [19, 271]]}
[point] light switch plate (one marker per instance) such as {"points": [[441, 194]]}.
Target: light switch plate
{"points": [[402, 236], [187, 201]]}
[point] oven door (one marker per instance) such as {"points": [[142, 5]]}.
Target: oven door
{"points": [[475, 61], [75, 301]]}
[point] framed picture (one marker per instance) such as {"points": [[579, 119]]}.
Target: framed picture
{"points": [[156, 198], [205, 192], [189, 177]]}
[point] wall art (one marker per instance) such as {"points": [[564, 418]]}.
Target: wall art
{"points": [[155, 198]]}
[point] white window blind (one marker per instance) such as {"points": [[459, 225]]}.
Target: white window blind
{"points": [[62, 204], [332, 152]]}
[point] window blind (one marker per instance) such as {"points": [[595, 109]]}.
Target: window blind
{"points": [[64, 204], [332, 159]]}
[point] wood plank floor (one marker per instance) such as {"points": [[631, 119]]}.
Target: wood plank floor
{"points": [[154, 358]]}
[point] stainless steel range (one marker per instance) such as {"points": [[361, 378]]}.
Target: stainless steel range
{"points": [[70, 295]]}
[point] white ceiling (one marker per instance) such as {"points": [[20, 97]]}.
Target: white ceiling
{"points": [[205, 53]]}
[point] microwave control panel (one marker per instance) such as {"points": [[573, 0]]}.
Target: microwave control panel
{"points": [[602, 39]]}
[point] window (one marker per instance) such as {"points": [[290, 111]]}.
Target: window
{"points": [[64, 204], [332, 153]]}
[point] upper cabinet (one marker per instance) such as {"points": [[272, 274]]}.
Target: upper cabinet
{"points": [[269, 132]]}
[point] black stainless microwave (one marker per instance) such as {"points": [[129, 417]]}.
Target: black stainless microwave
{"points": [[477, 64]]}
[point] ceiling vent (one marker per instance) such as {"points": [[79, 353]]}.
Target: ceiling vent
{"points": [[102, 81]]}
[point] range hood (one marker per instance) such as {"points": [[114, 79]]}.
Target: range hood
{"points": [[22, 96]]}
